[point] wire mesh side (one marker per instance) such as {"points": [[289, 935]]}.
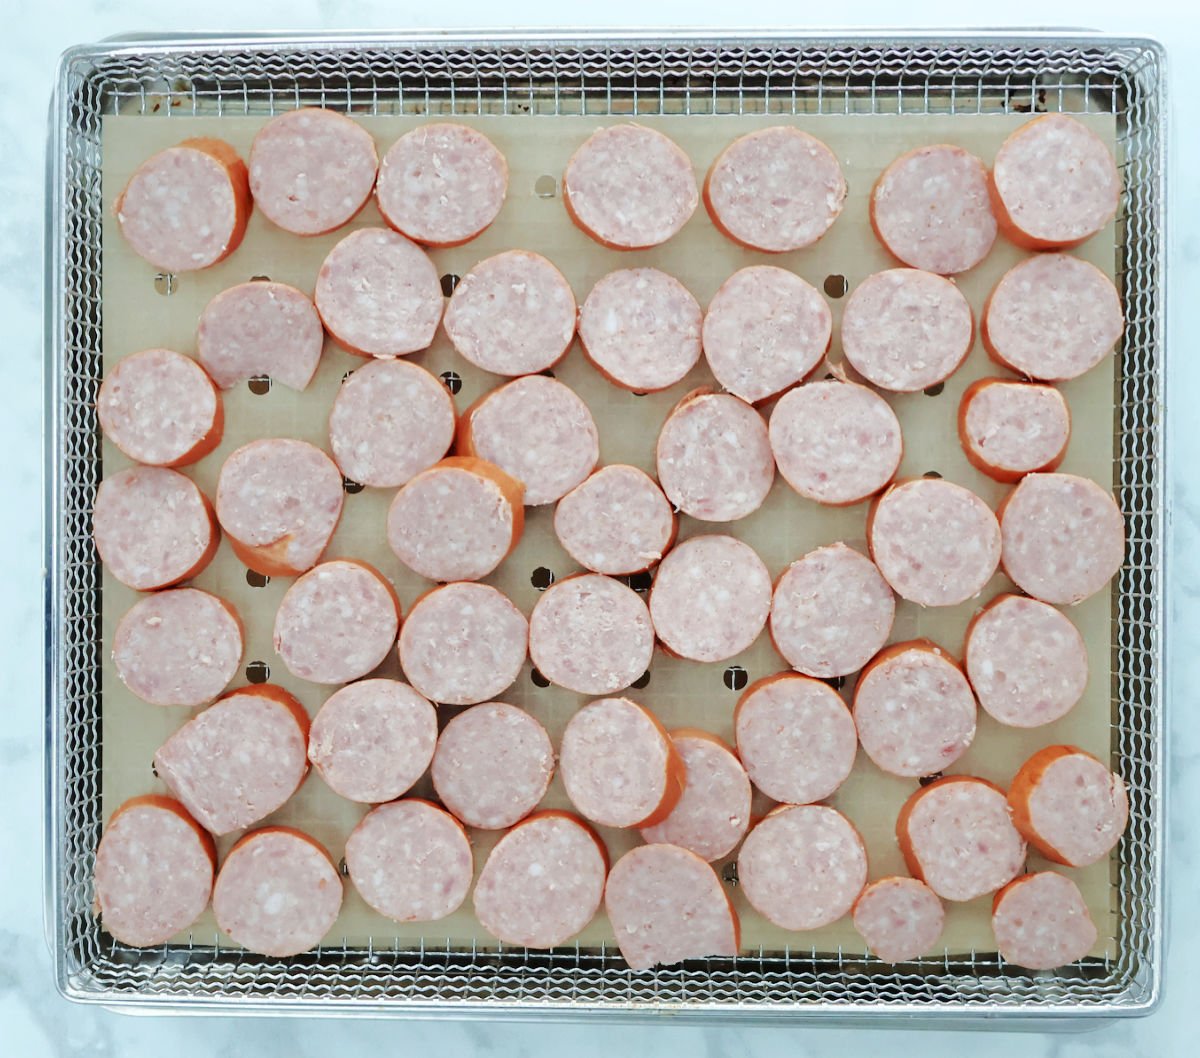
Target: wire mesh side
{"points": [[680, 77]]}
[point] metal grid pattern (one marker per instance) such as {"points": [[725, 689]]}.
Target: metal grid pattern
{"points": [[468, 75]]}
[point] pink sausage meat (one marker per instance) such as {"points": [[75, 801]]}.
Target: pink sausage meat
{"points": [[899, 918], [372, 740], [591, 634], [766, 329], [1009, 429], [493, 765], [260, 328], [512, 314], [1041, 922], [835, 442], [831, 612], [410, 861], [179, 647]]}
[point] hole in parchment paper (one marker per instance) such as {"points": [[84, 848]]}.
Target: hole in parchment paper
{"points": [[347, 374], [545, 186], [353, 488], [935, 389], [637, 394], [541, 578], [153, 769], [260, 385], [260, 279], [931, 474], [166, 283], [538, 679], [836, 286], [729, 873], [836, 682], [925, 780], [548, 373], [256, 579], [452, 380], [639, 582], [343, 868], [258, 672], [642, 681], [735, 677], [449, 282]]}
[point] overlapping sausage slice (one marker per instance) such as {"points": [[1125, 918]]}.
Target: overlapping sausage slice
{"points": [[154, 871], [161, 409], [1010, 429], [186, 207]]}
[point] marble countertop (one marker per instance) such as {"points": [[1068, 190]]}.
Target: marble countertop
{"points": [[37, 1021]]}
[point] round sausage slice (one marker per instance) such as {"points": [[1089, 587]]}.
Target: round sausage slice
{"points": [[512, 314], [714, 457], [796, 738], [591, 634], [1064, 537], [914, 709], [186, 207], [178, 647], [835, 442], [1068, 805], [260, 328], [1041, 922], [278, 892], [463, 643], [619, 765], [442, 184], [617, 522], [410, 861], [154, 871], [337, 622], [1052, 317], [905, 330], [543, 882], [279, 501], [161, 409], [1026, 661], [390, 420], [1054, 183], [899, 918], [931, 209], [802, 866], [312, 170], [239, 760], [936, 543], [153, 527], [665, 905], [1010, 429], [775, 190], [713, 813], [710, 599], [641, 329], [493, 765], [766, 329], [379, 294], [957, 837], [831, 612], [458, 520], [630, 187], [372, 740], [538, 431]]}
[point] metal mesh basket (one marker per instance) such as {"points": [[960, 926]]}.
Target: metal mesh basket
{"points": [[467, 75]]}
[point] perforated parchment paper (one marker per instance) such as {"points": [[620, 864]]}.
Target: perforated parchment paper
{"points": [[139, 314]]}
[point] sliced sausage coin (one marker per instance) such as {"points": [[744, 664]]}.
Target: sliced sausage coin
{"points": [[665, 904], [390, 420], [463, 643], [641, 329], [1064, 537], [543, 882], [900, 919], [372, 740], [161, 409], [493, 765], [1010, 429], [153, 527], [591, 634], [410, 861], [914, 709], [458, 520], [179, 647], [238, 760], [1041, 922]]}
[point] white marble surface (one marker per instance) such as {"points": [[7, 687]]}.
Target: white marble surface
{"points": [[35, 1021]]}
